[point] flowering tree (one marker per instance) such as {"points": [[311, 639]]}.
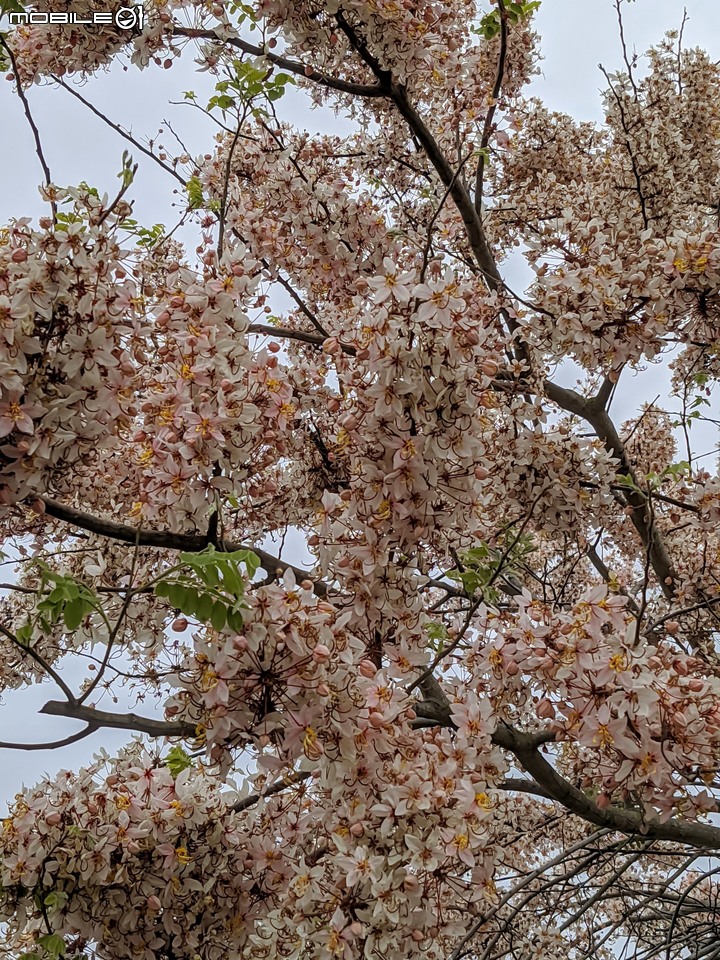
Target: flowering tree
{"points": [[486, 723]]}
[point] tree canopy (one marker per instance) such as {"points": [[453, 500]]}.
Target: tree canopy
{"points": [[484, 721]]}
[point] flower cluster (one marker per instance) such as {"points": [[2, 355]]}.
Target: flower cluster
{"points": [[70, 323], [641, 721], [288, 677]]}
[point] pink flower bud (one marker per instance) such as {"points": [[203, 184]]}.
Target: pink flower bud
{"points": [[179, 624], [321, 654], [153, 903], [376, 720], [417, 935], [356, 829], [672, 627], [53, 819], [19, 255], [545, 709], [367, 669], [489, 368], [481, 473]]}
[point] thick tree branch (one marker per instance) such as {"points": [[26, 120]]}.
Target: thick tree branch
{"points": [[285, 333], [398, 94], [641, 517], [525, 748], [292, 66], [190, 542], [119, 721]]}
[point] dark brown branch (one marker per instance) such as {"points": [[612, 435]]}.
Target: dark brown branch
{"points": [[289, 781], [31, 122], [598, 418], [119, 721], [461, 198], [292, 66], [285, 333], [674, 614], [519, 785], [166, 539], [487, 127], [524, 746], [55, 744]]}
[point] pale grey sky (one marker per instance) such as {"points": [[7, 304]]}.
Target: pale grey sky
{"points": [[576, 35]]}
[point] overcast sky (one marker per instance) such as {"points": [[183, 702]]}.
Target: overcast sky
{"points": [[576, 36]]}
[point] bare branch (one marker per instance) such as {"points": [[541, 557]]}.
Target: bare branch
{"points": [[495, 94], [119, 721], [31, 122], [53, 745]]}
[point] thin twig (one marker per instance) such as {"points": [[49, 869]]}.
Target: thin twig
{"points": [[40, 661], [489, 117], [123, 133], [31, 122]]}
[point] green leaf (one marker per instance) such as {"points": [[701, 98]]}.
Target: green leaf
{"points": [[195, 193], [127, 173], [676, 470], [204, 607], [177, 595], [74, 612], [235, 620], [55, 900], [218, 616], [436, 631], [10, 6], [53, 944], [177, 760]]}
